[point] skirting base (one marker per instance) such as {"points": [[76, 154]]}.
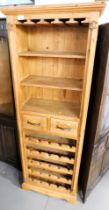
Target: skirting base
{"points": [[71, 198]]}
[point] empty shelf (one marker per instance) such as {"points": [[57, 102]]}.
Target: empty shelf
{"points": [[53, 54], [52, 82], [49, 107]]}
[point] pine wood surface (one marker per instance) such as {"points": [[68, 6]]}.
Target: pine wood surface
{"points": [[84, 7], [52, 54], [49, 167], [43, 143], [51, 82], [55, 108], [46, 156]]}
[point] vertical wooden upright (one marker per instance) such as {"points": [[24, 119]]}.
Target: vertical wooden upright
{"points": [[52, 52]]}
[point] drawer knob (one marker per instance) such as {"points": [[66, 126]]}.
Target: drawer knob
{"points": [[63, 127], [34, 124]]}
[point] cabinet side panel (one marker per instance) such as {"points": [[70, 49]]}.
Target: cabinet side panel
{"points": [[15, 75], [91, 46]]}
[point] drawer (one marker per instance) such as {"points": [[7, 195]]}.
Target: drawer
{"points": [[34, 122], [64, 127]]}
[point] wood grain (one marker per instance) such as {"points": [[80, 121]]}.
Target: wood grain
{"points": [[51, 82], [52, 54], [53, 108]]}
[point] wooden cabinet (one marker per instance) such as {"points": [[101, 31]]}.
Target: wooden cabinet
{"points": [[9, 148], [52, 53], [95, 161]]}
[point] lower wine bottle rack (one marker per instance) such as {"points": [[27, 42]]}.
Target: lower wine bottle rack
{"points": [[50, 162], [50, 167], [49, 144], [46, 175], [49, 185]]}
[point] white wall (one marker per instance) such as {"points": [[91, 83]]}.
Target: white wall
{"points": [[105, 16], [9, 2]]}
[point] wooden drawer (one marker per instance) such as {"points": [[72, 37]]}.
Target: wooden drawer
{"points": [[34, 122], [64, 127]]}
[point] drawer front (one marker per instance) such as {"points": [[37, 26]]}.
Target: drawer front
{"points": [[34, 122], [64, 127]]}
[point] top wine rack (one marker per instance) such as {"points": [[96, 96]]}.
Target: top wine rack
{"points": [[57, 21]]}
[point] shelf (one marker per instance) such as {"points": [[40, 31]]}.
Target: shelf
{"points": [[51, 82], [52, 54], [49, 107]]}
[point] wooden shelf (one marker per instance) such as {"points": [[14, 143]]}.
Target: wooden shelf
{"points": [[53, 82], [49, 107], [52, 54]]}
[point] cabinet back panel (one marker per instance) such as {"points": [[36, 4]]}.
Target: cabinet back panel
{"points": [[56, 38], [52, 67], [50, 94], [22, 39]]}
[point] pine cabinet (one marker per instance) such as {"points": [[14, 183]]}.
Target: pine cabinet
{"points": [[52, 54]]}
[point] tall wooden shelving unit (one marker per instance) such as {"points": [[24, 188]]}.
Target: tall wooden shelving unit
{"points": [[52, 52]]}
